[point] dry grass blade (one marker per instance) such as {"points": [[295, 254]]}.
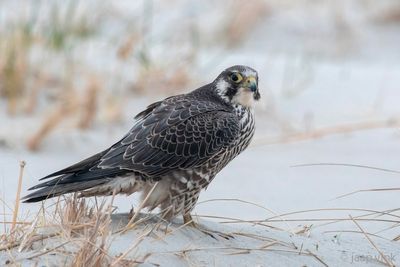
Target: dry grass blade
{"points": [[47, 251], [91, 254], [251, 203], [322, 132], [16, 223], [17, 198], [138, 241], [372, 213], [235, 220], [85, 228], [131, 223], [369, 190], [355, 232], [372, 243], [334, 209], [35, 238], [322, 221], [395, 225], [317, 258], [397, 238], [346, 165], [90, 228], [330, 219]]}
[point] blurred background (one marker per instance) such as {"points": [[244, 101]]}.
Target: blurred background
{"points": [[73, 74]]}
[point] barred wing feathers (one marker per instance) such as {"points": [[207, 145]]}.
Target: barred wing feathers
{"points": [[176, 133], [179, 136]]}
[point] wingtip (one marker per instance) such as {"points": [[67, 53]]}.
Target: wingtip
{"points": [[36, 187], [50, 175], [33, 200], [27, 198], [36, 197]]}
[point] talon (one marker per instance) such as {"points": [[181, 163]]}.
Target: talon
{"points": [[188, 220]]}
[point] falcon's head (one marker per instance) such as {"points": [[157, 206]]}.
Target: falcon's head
{"points": [[238, 85]]}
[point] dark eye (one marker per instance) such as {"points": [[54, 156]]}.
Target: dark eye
{"points": [[236, 77]]}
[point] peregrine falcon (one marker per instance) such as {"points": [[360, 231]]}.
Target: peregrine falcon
{"points": [[174, 150]]}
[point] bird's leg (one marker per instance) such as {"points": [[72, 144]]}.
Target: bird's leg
{"points": [[188, 220]]}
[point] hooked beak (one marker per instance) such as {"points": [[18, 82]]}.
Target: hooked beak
{"points": [[251, 83]]}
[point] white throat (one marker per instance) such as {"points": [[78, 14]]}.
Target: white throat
{"points": [[243, 97]]}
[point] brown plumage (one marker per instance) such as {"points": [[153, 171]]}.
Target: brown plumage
{"points": [[175, 148]]}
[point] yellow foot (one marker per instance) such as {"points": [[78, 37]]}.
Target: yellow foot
{"points": [[187, 220]]}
